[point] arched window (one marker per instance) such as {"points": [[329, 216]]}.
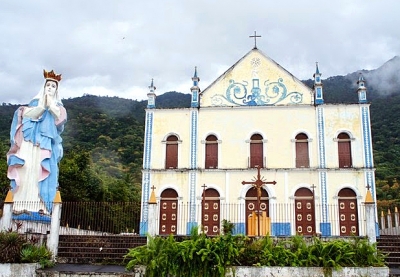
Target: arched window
{"points": [[211, 152], [344, 150], [171, 153], [256, 151], [302, 158]]}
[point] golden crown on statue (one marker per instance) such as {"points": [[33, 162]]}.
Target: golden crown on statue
{"points": [[51, 75]]}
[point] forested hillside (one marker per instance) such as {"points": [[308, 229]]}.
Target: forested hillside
{"points": [[103, 138]]}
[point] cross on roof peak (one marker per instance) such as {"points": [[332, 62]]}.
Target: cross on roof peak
{"points": [[255, 36]]}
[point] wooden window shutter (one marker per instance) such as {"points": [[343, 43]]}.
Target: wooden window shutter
{"points": [[344, 150], [171, 154], [256, 151], [302, 158], [211, 152]]}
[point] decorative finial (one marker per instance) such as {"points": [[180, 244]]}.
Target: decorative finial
{"points": [[152, 87]]}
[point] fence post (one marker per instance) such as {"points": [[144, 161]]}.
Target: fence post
{"points": [[152, 216], [396, 217], [389, 219], [383, 225], [52, 240], [370, 217], [6, 219]]}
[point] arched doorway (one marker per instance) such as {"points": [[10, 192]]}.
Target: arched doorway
{"points": [[168, 212], [211, 212], [251, 206], [305, 212], [348, 212]]}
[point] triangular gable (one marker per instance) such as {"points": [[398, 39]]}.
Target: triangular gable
{"points": [[256, 80]]}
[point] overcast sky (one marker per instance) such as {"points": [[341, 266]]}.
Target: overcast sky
{"points": [[116, 47]]}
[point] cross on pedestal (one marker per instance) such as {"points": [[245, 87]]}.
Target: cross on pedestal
{"points": [[153, 187], [368, 187], [258, 184]]}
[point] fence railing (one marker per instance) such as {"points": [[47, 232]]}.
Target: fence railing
{"points": [[389, 223], [282, 218], [78, 218], [112, 218]]}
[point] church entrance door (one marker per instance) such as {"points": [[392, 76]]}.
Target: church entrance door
{"points": [[168, 212], [211, 212], [305, 212], [348, 212], [251, 206]]}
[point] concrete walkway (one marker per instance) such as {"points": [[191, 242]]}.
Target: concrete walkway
{"points": [[118, 270]]}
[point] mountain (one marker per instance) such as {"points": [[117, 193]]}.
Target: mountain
{"points": [[103, 139]]}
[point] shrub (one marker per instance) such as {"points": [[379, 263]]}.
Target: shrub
{"points": [[11, 244], [15, 248], [210, 256]]}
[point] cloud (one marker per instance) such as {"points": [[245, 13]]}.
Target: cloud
{"points": [[116, 48]]}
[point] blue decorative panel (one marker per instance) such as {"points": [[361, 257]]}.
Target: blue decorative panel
{"points": [[195, 103], [190, 226], [367, 137], [325, 228], [143, 228], [239, 228], [280, 229], [193, 164], [271, 93], [146, 165]]}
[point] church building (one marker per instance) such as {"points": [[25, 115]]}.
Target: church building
{"points": [[261, 150]]}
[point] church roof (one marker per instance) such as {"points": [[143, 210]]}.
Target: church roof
{"points": [[256, 80]]}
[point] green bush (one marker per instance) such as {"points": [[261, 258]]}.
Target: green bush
{"points": [[15, 248], [11, 244], [210, 256], [37, 254]]}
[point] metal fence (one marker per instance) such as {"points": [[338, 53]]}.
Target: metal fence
{"points": [[78, 218], [389, 222], [111, 218], [279, 214]]}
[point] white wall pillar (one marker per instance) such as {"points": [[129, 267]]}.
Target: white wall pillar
{"points": [[6, 219], [53, 238], [370, 217], [152, 215]]}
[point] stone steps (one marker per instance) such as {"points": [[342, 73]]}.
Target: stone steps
{"points": [[90, 249]]}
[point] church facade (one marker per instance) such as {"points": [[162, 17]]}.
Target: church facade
{"points": [[259, 149]]}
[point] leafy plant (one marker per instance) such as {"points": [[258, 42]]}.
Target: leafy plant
{"points": [[11, 244], [37, 254], [210, 256]]}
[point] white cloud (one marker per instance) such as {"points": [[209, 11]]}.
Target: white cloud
{"points": [[116, 48]]}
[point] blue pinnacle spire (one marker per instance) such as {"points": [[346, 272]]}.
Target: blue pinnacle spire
{"points": [[195, 79], [152, 87], [317, 69]]}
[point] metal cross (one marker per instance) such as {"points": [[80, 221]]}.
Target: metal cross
{"points": [[255, 39], [153, 187], [368, 187], [258, 184]]}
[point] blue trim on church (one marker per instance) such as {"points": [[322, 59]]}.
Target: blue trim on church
{"points": [[280, 229], [190, 226], [146, 174], [239, 228], [193, 165], [322, 162], [326, 229]]}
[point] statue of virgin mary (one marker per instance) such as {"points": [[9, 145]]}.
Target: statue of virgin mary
{"points": [[35, 152]]}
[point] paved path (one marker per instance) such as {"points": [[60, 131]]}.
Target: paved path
{"points": [[87, 268], [121, 269]]}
